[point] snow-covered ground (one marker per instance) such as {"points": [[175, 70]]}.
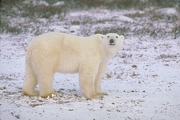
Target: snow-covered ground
{"points": [[142, 80]]}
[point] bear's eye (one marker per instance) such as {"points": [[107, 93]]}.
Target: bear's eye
{"points": [[107, 36], [116, 36]]}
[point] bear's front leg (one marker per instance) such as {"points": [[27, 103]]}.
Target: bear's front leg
{"points": [[97, 83], [87, 76]]}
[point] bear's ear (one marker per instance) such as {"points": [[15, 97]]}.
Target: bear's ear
{"points": [[121, 37], [101, 37]]}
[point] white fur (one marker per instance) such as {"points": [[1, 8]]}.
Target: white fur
{"points": [[59, 52]]}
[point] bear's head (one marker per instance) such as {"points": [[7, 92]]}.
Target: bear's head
{"points": [[112, 42]]}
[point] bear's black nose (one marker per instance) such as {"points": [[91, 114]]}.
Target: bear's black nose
{"points": [[111, 41]]}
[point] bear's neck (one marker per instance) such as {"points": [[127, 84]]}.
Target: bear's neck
{"points": [[108, 53]]}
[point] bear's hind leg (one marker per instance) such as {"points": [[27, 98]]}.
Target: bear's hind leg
{"points": [[46, 85], [30, 82]]}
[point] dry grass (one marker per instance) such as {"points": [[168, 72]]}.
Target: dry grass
{"points": [[18, 17]]}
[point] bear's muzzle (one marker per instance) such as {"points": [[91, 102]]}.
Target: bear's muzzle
{"points": [[112, 42]]}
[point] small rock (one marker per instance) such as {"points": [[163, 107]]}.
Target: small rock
{"points": [[134, 66]]}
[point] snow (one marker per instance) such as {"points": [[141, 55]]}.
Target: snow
{"points": [[142, 80], [167, 12], [35, 2], [58, 4]]}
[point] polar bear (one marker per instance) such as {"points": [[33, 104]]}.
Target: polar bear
{"points": [[59, 52]]}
